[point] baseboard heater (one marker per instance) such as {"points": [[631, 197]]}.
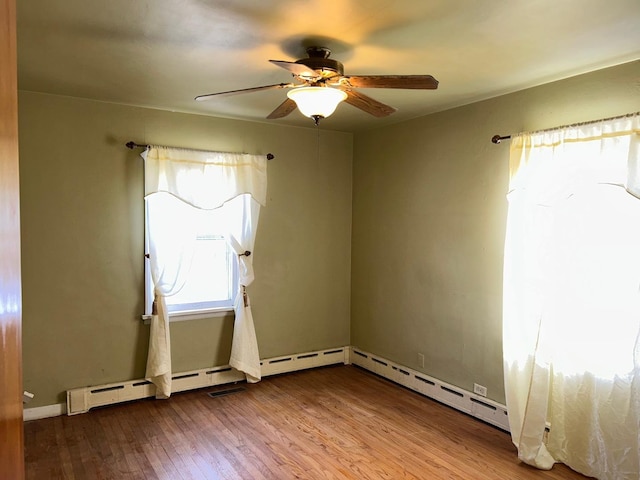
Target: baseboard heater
{"points": [[467, 402], [81, 400]]}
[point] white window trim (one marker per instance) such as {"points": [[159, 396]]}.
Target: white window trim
{"points": [[194, 315]]}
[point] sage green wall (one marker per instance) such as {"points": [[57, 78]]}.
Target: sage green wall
{"points": [[429, 217], [429, 214], [82, 241]]}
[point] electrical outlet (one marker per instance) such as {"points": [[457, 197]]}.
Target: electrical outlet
{"points": [[421, 360], [479, 390]]}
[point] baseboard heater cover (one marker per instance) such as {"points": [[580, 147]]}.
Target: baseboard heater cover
{"points": [[463, 400], [81, 400]]}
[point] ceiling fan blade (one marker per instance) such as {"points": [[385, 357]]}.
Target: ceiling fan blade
{"points": [[297, 69], [209, 96], [422, 82], [368, 104], [282, 110]]}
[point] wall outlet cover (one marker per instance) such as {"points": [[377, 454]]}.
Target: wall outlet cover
{"points": [[480, 390]]}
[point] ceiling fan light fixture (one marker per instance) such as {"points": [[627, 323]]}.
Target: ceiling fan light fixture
{"points": [[317, 102]]}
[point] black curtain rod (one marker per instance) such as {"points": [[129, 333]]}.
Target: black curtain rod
{"points": [[497, 138], [132, 145]]}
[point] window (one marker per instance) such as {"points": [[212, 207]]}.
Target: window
{"points": [[194, 198], [571, 329], [210, 284], [593, 261], [209, 270]]}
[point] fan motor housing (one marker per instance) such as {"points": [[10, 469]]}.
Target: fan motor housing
{"points": [[319, 61], [325, 66]]}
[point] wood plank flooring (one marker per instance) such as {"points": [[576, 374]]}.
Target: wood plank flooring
{"points": [[330, 423]]}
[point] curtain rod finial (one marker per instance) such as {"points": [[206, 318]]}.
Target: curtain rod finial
{"points": [[497, 138]]}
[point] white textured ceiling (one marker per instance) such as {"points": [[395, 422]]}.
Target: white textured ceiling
{"points": [[162, 53]]}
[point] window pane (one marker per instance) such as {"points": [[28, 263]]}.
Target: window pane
{"points": [[595, 265], [210, 278]]}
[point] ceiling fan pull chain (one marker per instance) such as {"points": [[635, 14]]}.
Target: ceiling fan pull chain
{"points": [[318, 142]]}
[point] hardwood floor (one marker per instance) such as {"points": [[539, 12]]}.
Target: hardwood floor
{"points": [[329, 423]]}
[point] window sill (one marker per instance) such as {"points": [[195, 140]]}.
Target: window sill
{"points": [[193, 315]]}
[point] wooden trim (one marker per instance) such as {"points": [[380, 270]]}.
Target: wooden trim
{"points": [[11, 430]]}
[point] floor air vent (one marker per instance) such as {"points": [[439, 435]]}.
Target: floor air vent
{"points": [[227, 391]]}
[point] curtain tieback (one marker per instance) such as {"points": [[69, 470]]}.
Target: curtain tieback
{"points": [[245, 297], [246, 253]]}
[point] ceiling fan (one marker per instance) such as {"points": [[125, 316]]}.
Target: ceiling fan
{"points": [[320, 85]]}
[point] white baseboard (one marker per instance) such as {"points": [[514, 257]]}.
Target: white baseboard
{"points": [[37, 413]]}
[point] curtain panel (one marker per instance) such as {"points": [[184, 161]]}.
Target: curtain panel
{"points": [[205, 181], [571, 313]]}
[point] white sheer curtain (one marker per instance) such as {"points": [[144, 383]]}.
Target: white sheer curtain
{"points": [[171, 230], [571, 327], [201, 180], [242, 234]]}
